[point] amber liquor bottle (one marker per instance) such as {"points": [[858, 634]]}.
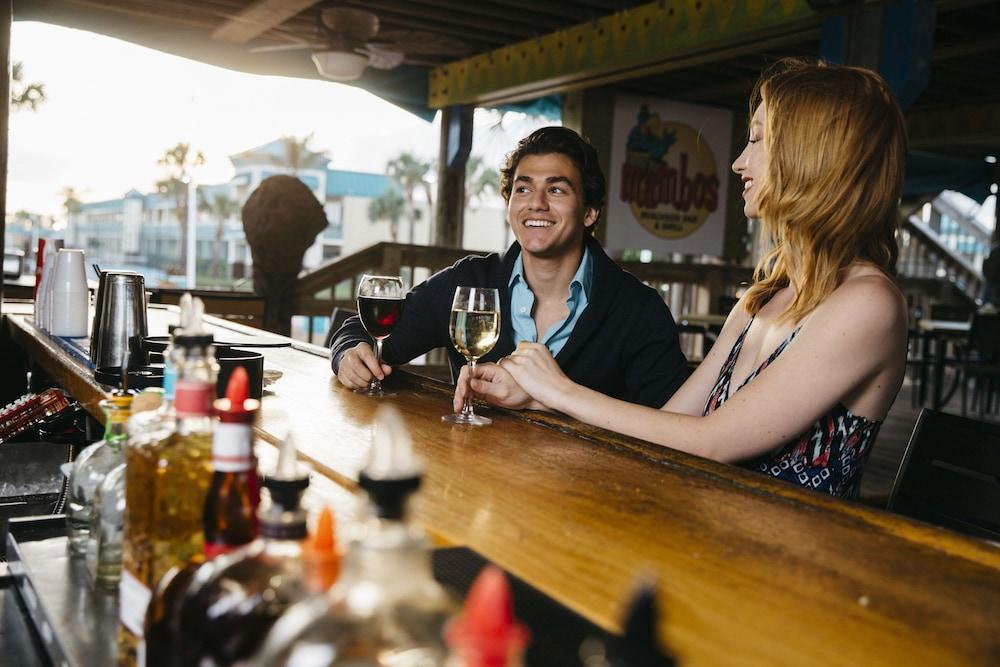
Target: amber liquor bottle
{"points": [[230, 516], [179, 471]]}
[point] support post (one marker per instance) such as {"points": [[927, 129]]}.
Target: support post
{"points": [[6, 16], [456, 144], [192, 234], [591, 113]]}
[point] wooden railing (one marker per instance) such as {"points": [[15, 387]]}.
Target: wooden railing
{"points": [[688, 288], [932, 272]]}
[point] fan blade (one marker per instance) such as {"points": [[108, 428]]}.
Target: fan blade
{"points": [[415, 41], [358, 24], [275, 48], [257, 18], [381, 58]]}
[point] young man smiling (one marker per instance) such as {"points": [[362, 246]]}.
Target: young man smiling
{"points": [[557, 286]]}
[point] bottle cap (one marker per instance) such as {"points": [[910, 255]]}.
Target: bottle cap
{"points": [[487, 633], [393, 472], [638, 645], [289, 478], [192, 332], [237, 406]]}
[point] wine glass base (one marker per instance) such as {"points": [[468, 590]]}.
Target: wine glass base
{"points": [[471, 420], [377, 392]]}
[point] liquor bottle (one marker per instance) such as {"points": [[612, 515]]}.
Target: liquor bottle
{"points": [[90, 468], [168, 472], [386, 609], [225, 621], [487, 634], [229, 518], [148, 434], [104, 544]]}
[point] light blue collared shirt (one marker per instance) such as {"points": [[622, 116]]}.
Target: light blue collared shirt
{"points": [[522, 301]]}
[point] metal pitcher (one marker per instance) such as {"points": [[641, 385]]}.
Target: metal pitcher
{"points": [[119, 320]]}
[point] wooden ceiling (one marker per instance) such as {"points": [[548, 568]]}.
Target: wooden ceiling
{"points": [[965, 72]]}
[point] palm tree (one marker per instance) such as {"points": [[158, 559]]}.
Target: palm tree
{"points": [[24, 95], [297, 155], [71, 201], [390, 206], [221, 207], [480, 179], [178, 162], [410, 174]]}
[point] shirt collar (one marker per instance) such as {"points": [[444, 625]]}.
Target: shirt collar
{"points": [[584, 276]]}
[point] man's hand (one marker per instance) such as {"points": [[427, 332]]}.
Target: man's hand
{"points": [[494, 385], [358, 366]]}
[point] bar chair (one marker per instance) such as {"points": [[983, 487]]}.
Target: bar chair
{"points": [[981, 362], [950, 475], [337, 318]]}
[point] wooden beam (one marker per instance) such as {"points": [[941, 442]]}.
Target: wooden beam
{"points": [[6, 15], [638, 41], [258, 18], [956, 125]]}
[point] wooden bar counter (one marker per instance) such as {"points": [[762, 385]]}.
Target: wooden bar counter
{"points": [[751, 571]]}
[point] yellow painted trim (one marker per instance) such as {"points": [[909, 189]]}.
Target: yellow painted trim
{"points": [[630, 39]]}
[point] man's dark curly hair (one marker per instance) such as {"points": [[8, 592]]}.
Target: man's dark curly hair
{"points": [[565, 141]]}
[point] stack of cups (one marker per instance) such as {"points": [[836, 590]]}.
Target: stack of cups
{"points": [[69, 296], [44, 291]]}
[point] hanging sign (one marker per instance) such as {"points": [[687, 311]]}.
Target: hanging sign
{"points": [[669, 176]]}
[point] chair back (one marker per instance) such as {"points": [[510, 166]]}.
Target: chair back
{"points": [[950, 474], [984, 336], [337, 318], [951, 312]]}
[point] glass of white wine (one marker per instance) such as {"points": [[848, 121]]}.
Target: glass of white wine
{"points": [[475, 328]]}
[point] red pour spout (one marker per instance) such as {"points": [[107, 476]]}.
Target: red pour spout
{"points": [[237, 406], [487, 634]]}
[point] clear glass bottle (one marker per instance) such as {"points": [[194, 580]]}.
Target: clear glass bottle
{"points": [[104, 545], [228, 615], [386, 609], [90, 468]]}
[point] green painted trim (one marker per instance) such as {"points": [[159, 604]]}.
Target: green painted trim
{"points": [[638, 37]]}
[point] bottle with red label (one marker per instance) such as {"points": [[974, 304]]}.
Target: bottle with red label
{"points": [[230, 516]]}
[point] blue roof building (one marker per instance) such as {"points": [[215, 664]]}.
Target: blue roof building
{"points": [[143, 229]]}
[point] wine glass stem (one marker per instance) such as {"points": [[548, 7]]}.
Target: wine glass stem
{"points": [[376, 383], [467, 407]]}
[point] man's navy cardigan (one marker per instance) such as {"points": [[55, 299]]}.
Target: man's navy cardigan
{"points": [[624, 344]]}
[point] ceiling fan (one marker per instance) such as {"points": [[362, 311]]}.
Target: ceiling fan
{"points": [[349, 40]]}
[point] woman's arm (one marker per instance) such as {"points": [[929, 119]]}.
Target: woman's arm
{"points": [[690, 398], [855, 340]]}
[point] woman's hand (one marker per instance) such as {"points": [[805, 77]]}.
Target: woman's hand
{"points": [[494, 385], [537, 373]]}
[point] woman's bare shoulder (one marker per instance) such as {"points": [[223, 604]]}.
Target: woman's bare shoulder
{"points": [[868, 295]]}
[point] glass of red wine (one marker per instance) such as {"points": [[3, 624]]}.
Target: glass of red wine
{"points": [[380, 305]]}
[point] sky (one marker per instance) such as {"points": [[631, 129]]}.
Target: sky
{"points": [[113, 108]]}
